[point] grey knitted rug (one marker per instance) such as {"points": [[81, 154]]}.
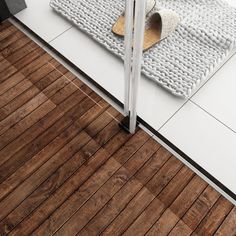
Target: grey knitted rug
{"points": [[205, 37]]}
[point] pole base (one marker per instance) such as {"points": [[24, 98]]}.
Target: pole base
{"points": [[124, 124]]}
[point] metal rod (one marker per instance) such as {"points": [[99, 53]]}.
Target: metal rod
{"points": [[129, 15], [139, 25]]}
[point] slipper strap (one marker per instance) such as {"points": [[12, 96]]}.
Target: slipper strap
{"points": [[170, 21]]}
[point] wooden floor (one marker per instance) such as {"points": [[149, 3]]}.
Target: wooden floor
{"points": [[66, 167]]}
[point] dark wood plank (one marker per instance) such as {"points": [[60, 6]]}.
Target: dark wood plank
{"points": [[153, 165], [68, 89], [20, 55], [228, 227], [200, 208], [104, 194], [5, 31], [38, 129], [188, 196], [51, 184], [26, 123], [41, 78], [163, 177], [214, 218], [25, 64], [178, 208], [34, 60], [181, 229], [164, 224], [5, 24], [67, 168], [11, 82], [69, 150], [41, 133], [14, 92], [4, 64], [27, 187], [57, 88], [74, 184], [137, 205], [13, 44], [41, 157], [34, 77], [45, 170], [10, 71], [147, 217], [47, 78], [17, 102], [48, 91], [143, 198], [22, 51], [10, 39], [156, 208], [122, 198], [22, 112]]}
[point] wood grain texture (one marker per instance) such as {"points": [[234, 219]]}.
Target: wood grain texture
{"points": [[67, 168]]}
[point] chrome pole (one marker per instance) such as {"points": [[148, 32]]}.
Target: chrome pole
{"points": [[139, 25], [129, 15]]}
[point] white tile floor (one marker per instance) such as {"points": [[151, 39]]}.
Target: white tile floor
{"points": [[203, 127], [218, 96], [205, 140], [107, 71], [40, 19]]}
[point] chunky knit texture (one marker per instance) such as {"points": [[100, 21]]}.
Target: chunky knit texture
{"points": [[204, 38]]}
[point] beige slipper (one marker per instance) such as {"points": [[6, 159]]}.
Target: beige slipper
{"points": [[161, 24], [119, 27]]}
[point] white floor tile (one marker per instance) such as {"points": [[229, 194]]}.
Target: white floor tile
{"points": [[218, 96], [94, 60], [155, 105], [206, 141], [41, 19]]}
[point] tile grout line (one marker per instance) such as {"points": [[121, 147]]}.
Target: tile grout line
{"points": [[152, 135], [189, 99], [212, 116], [232, 54], [51, 40], [45, 46], [158, 130]]}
